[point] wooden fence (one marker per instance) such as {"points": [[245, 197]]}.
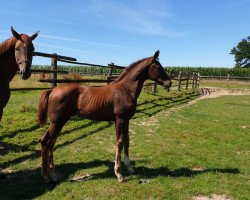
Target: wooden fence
{"points": [[54, 71], [181, 80]]}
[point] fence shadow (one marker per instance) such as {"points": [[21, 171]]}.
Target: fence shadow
{"points": [[31, 184], [22, 130]]}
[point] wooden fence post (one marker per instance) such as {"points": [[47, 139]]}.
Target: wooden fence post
{"points": [[196, 77], [198, 80], [228, 77], [154, 87], [170, 76], [187, 82], [179, 80], [110, 73], [193, 82], [54, 67]]}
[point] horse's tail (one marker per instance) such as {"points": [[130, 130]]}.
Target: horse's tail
{"points": [[43, 107]]}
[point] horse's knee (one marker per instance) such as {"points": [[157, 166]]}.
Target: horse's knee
{"points": [[45, 140]]}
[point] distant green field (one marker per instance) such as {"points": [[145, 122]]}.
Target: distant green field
{"points": [[201, 149], [204, 71]]}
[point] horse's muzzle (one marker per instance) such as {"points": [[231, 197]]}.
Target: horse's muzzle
{"points": [[25, 74], [24, 67], [167, 84]]}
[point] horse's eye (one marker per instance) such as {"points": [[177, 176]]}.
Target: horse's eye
{"points": [[17, 49]]}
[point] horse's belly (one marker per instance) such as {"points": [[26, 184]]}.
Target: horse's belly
{"points": [[98, 115]]}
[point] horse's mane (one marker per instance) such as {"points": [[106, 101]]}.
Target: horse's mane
{"points": [[7, 44], [128, 69]]}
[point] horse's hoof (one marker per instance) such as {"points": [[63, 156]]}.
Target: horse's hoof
{"points": [[2, 176], [120, 179], [55, 178], [131, 171], [48, 180]]}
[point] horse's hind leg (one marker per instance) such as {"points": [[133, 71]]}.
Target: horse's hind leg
{"points": [[47, 142], [51, 165], [45, 153]]}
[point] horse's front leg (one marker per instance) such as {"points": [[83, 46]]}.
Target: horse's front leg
{"points": [[126, 152], [121, 127], [4, 98]]}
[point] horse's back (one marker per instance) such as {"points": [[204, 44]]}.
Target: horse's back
{"points": [[96, 103], [71, 99]]}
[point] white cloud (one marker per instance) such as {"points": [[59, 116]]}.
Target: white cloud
{"points": [[61, 48], [145, 17], [57, 38], [236, 3]]}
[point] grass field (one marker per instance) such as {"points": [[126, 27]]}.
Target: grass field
{"points": [[201, 149]]}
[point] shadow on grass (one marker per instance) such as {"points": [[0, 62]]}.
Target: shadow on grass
{"points": [[148, 173], [29, 184], [22, 130], [9, 147]]}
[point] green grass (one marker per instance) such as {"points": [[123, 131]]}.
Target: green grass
{"points": [[202, 149]]}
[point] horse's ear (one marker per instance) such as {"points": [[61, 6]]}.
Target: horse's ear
{"points": [[156, 55], [34, 35], [15, 34]]}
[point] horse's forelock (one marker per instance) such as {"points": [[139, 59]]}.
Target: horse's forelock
{"points": [[26, 39]]}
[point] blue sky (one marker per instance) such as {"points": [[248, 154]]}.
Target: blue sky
{"points": [[187, 32]]}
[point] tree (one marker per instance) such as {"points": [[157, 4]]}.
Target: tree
{"points": [[242, 53]]}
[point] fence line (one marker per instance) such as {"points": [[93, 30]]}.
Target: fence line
{"points": [[182, 80], [226, 77]]}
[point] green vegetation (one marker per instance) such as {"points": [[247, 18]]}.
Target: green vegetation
{"points": [[242, 53], [212, 71], [209, 71], [201, 149]]}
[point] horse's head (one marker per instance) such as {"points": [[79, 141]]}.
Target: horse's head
{"points": [[24, 52], [157, 73]]}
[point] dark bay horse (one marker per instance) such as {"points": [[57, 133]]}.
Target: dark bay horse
{"points": [[15, 55], [114, 102]]}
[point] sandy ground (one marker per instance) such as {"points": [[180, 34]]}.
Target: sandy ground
{"points": [[213, 197], [209, 93]]}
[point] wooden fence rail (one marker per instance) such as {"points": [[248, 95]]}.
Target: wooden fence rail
{"points": [[182, 80], [186, 80]]}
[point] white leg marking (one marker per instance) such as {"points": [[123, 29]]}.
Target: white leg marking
{"points": [[117, 168]]}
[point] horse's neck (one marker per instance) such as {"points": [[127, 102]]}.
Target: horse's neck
{"points": [[7, 45], [8, 66], [134, 81]]}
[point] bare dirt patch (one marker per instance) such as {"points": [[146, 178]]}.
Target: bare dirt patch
{"points": [[215, 92], [212, 93], [213, 197], [152, 121]]}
